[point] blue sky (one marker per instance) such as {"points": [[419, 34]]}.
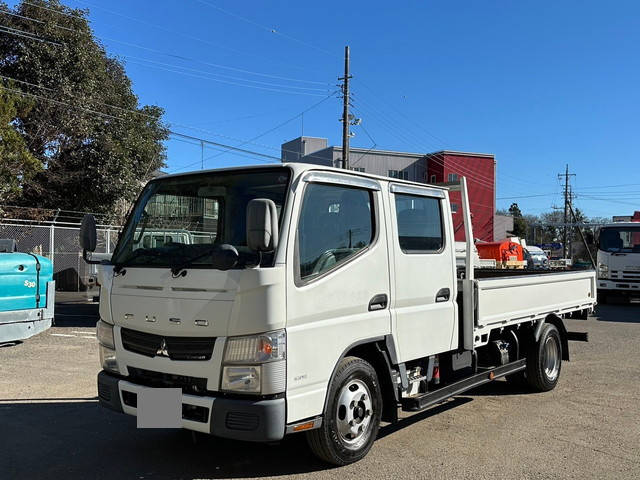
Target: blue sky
{"points": [[538, 84]]}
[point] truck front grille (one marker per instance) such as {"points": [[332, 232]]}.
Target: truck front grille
{"points": [[148, 378], [176, 348]]}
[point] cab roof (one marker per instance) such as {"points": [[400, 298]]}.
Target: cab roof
{"points": [[300, 168]]}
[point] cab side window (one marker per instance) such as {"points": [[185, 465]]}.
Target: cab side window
{"points": [[419, 223], [335, 224]]}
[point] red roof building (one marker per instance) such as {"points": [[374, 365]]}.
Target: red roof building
{"points": [[480, 171]]}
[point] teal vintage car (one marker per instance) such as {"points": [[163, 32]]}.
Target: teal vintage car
{"points": [[27, 295]]}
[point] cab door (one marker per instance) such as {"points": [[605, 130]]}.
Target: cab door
{"points": [[423, 307], [338, 286]]}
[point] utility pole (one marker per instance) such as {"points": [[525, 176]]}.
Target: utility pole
{"points": [[345, 110], [567, 201]]}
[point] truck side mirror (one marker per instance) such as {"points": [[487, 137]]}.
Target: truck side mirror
{"points": [[262, 225], [88, 237]]}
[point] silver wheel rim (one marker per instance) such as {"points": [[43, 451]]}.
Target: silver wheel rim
{"points": [[551, 358], [354, 412]]}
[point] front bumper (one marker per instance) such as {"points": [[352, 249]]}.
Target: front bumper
{"points": [[249, 420], [619, 286]]}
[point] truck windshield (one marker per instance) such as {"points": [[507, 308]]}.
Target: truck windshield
{"points": [[180, 220], [620, 239]]}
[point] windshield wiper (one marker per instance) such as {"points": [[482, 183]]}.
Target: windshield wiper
{"points": [[225, 257], [140, 252]]}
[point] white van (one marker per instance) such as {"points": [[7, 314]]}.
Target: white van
{"points": [[327, 300]]}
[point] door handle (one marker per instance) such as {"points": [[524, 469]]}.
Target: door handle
{"points": [[443, 295], [378, 302]]}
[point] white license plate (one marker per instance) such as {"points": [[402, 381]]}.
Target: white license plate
{"points": [[159, 408]]}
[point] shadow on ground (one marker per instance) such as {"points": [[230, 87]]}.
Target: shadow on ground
{"points": [[78, 440], [630, 313], [76, 314]]}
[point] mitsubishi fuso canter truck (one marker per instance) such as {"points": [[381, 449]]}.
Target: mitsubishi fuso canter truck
{"points": [[296, 299]]}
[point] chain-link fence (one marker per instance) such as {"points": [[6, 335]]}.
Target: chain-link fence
{"points": [[58, 241]]}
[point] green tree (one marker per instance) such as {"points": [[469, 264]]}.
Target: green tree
{"points": [[17, 164], [95, 143], [519, 223]]}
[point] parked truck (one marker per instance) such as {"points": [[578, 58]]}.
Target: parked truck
{"points": [[27, 293], [619, 260], [326, 301]]}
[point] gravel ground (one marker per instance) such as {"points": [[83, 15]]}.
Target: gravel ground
{"points": [[588, 427]]}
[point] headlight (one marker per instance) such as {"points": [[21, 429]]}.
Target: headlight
{"points": [[266, 347], [255, 364], [104, 332], [108, 359], [603, 270], [241, 379]]}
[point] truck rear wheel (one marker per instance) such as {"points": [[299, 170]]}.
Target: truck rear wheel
{"points": [[544, 361], [352, 414]]}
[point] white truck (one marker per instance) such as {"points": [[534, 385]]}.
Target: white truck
{"points": [[326, 301], [619, 260]]}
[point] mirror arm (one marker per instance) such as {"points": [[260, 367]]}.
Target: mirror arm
{"points": [[88, 260]]}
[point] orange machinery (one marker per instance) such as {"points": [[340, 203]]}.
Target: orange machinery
{"points": [[502, 252]]}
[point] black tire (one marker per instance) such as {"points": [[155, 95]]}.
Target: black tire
{"points": [[544, 361], [352, 379]]}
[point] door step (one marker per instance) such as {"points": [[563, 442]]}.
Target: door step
{"points": [[426, 400]]}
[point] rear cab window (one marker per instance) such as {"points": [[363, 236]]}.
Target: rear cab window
{"points": [[419, 223]]}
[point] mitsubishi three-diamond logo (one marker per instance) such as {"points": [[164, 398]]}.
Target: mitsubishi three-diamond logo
{"points": [[162, 351]]}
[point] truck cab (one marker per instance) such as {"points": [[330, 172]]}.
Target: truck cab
{"points": [[619, 260], [316, 300]]}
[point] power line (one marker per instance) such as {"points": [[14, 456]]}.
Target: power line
{"points": [[610, 200], [176, 33], [175, 124], [30, 36], [259, 82], [263, 27], [467, 171], [6, 12], [41, 39], [420, 129], [230, 147], [266, 132], [228, 82], [205, 146], [527, 196], [113, 117], [81, 17], [610, 186], [127, 110], [398, 111], [215, 65]]}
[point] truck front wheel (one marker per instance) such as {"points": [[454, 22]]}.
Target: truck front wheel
{"points": [[352, 414], [544, 361]]}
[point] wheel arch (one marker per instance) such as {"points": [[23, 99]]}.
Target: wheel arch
{"points": [[373, 351], [555, 320]]}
